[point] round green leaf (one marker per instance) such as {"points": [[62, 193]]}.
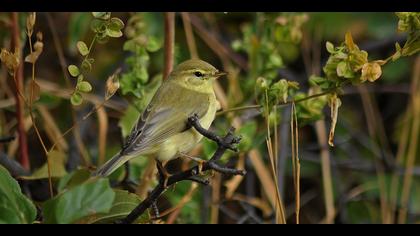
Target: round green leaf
{"points": [[98, 26], [102, 15], [76, 99], [153, 44], [84, 86], [82, 47], [86, 65], [73, 70], [114, 33], [330, 47], [116, 24], [80, 78]]}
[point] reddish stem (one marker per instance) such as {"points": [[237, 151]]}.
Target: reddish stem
{"points": [[23, 146], [169, 43]]}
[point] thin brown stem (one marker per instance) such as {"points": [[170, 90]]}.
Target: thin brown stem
{"points": [[189, 35], [63, 65], [281, 104], [31, 100], [16, 44], [169, 43]]}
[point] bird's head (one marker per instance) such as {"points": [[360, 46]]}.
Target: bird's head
{"points": [[196, 74]]}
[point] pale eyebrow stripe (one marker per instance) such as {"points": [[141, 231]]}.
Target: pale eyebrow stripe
{"points": [[193, 70]]}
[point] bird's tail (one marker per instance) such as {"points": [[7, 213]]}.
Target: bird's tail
{"points": [[111, 165]]}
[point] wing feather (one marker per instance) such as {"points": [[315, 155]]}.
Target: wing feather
{"points": [[159, 121]]}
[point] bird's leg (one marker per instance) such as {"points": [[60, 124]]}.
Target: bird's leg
{"points": [[163, 174], [155, 210], [199, 161]]}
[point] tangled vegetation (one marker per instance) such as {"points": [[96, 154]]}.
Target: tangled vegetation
{"points": [[327, 106]]}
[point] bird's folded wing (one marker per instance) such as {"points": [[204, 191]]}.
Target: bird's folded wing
{"points": [[160, 121]]}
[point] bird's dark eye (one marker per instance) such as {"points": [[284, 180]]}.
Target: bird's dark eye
{"points": [[198, 74]]}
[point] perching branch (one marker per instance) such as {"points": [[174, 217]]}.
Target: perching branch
{"points": [[229, 141]]}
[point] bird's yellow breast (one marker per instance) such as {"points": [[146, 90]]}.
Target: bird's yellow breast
{"points": [[184, 142]]}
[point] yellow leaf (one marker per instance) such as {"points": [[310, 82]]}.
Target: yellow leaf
{"points": [[371, 71], [112, 85], [11, 60], [349, 41], [334, 103], [57, 163], [30, 22]]}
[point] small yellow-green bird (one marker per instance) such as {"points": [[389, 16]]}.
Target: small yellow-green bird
{"points": [[162, 129]]}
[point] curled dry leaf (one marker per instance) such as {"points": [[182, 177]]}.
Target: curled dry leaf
{"points": [[371, 71], [112, 84], [35, 91], [10, 60], [30, 22], [334, 102], [37, 49]]}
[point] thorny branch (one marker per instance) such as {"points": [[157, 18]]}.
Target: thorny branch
{"points": [[224, 143]]}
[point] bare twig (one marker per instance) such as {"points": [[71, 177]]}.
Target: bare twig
{"points": [[227, 142]]}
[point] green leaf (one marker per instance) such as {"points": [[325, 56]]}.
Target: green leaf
{"points": [[209, 147], [73, 179], [247, 131], [87, 199], [98, 26], [330, 47], [124, 203], [275, 61], [116, 24], [102, 37], [343, 70], [86, 65], [237, 45], [15, 208], [77, 27], [84, 86], [76, 99], [153, 44], [113, 33], [57, 162], [316, 80], [102, 15], [80, 78], [73, 70], [82, 47]]}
